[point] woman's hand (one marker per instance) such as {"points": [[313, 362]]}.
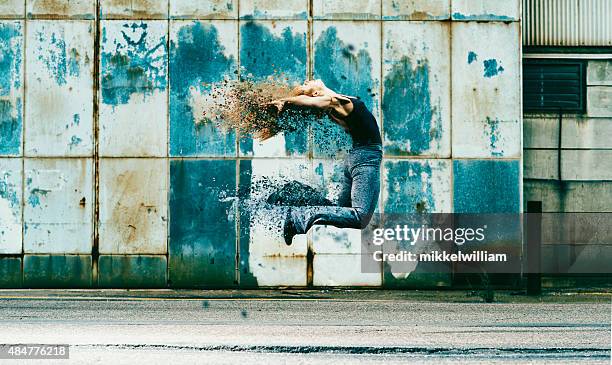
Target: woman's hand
{"points": [[279, 105]]}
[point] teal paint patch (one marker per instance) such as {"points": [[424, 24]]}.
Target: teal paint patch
{"points": [[202, 246], [136, 65], [74, 141], [486, 186], [493, 134], [11, 122], [57, 271], [472, 57], [76, 119], [135, 271], [412, 124], [408, 187], [60, 62], [8, 191], [34, 197], [264, 54], [491, 68], [197, 60], [263, 14], [487, 17], [345, 70], [10, 272], [11, 49]]}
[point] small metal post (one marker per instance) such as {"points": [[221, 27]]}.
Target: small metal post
{"points": [[533, 240]]}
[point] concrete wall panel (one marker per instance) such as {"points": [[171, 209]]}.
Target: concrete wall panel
{"points": [[416, 10], [211, 9], [586, 165], [599, 72], [543, 132], [12, 9], [274, 49], [342, 270], [357, 9], [133, 82], [10, 272], [136, 271], [58, 207], [417, 186], [487, 10], [347, 57], [332, 240], [134, 9], [81, 9], [540, 164], [486, 186], [11, 237], [133, 206], [576, 165], [213, 45], [273, 9], [486, 90], [11, 90], [57, 271], [570, 196], [416, 89], [264, 257], [59, 92], [599, 101], [202, 245]]}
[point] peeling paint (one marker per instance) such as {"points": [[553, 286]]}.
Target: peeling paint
{"points": [[472, 57], [198, 58], [134, 64], [345, 68], [483, 17], [210, 9], [491, 68], [412, 123], [60, 85], [493, 133], [278, 50], [10, 206], [202, 246], [11, 120]]}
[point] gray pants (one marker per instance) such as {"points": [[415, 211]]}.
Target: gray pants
{"points": [[358, 197]]}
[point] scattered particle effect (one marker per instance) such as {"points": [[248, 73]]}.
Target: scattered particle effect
{"points": [[244, 106]]}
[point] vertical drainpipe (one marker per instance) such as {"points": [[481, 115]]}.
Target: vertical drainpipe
{"points": [[96, 160], [559, 146]]}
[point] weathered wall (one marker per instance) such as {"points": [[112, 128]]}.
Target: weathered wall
{"points": [[586, 161], [105, 179]]}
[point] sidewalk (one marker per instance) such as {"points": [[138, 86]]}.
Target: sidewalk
{"points": [[447, 296]]}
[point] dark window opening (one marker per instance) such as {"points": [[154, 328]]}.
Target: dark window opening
{"points": [[554, 85]]}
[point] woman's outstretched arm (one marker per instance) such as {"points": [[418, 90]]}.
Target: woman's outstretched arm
{"points": [[319, 102]]}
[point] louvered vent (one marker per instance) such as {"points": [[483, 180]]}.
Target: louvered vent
{"points": [[553, 85]]}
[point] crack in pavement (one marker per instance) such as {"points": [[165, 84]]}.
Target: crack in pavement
{"points": [[592, 353]]}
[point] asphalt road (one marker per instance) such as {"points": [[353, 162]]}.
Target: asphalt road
{"points": [[124, 330]]}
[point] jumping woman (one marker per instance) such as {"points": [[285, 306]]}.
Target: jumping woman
{"points": [[361, 178]]}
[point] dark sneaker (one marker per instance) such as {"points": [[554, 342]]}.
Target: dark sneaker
{"points": [[289, 230]]}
